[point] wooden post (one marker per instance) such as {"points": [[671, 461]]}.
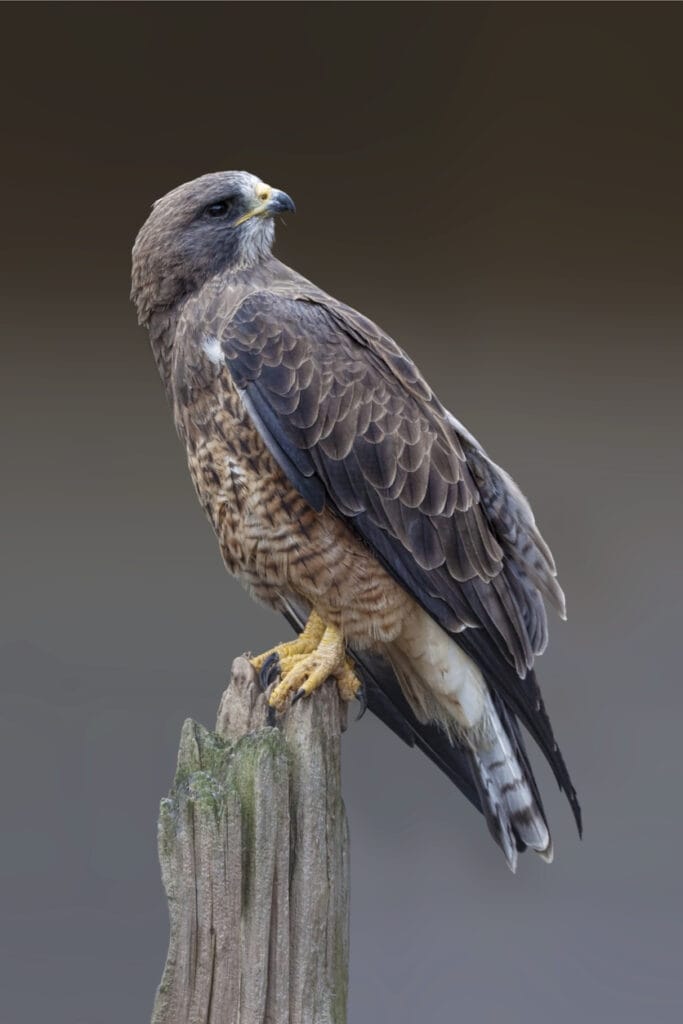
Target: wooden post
{"points": [[254, 851]]}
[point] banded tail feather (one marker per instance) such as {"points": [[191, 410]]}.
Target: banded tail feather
{"points": [[507, 790], [488, 763]]}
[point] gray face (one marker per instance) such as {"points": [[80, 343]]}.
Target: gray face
{"points": [[216, 222]]}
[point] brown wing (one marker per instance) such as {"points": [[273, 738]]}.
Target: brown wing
{"points": [[355, 426]]}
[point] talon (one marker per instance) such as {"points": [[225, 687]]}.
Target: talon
{"points": [[307, 662], [270, 670], [362, 699]]}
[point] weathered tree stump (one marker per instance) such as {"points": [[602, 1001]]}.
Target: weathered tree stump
{"points": [[254, 851]]}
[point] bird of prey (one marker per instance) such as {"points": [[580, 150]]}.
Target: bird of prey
{"points": [[344, 495]]}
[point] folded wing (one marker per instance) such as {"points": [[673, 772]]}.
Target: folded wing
{"points": [[356, 428]]}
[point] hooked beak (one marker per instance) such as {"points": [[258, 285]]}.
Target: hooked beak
{"points": [[269, 201]]}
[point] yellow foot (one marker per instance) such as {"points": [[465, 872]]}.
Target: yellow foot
{"points": [[305, 643], [306, 667]]}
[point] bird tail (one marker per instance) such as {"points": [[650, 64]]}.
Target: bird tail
{"points": [[444, 686], [507, 788], [488, 762]]}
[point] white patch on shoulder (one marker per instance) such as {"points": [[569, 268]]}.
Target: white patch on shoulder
{"points": [[213, 350]]}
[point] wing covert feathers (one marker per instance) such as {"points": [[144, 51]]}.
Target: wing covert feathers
{"points": [[354, 426]]}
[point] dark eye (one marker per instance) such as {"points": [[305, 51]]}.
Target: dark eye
{"points": [[217, 209]]}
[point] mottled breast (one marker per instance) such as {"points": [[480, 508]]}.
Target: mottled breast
{"points": [[269, 536]]}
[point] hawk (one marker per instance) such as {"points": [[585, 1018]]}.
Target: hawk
{"points": [[344, 495]]}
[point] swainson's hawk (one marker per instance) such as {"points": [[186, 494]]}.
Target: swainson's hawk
{"points": [[346, 496]]}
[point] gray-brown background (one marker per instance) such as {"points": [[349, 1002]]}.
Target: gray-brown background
{"points": [[499, 186]]}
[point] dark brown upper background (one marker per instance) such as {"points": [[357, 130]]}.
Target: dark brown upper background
{"points": [[500, 187]]}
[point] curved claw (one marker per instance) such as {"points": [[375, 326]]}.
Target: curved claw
{"points": [[362, 699], [270, 671], [298, 695]]}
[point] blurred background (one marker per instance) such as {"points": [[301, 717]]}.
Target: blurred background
{"points": [[500, 187]]}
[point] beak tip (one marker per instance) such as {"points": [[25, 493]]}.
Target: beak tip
{"points": [[282, 203]]}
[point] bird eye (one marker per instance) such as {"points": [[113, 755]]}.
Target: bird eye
{"points": [[218, 209]]}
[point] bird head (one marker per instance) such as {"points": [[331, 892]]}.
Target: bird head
{"points": [[219, 222]]}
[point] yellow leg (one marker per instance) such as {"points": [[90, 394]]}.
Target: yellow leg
{"points": [[307, 667], [305, 643]]}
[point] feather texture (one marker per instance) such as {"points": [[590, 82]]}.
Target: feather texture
{"points": [[335, 480], [355, 427]]}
